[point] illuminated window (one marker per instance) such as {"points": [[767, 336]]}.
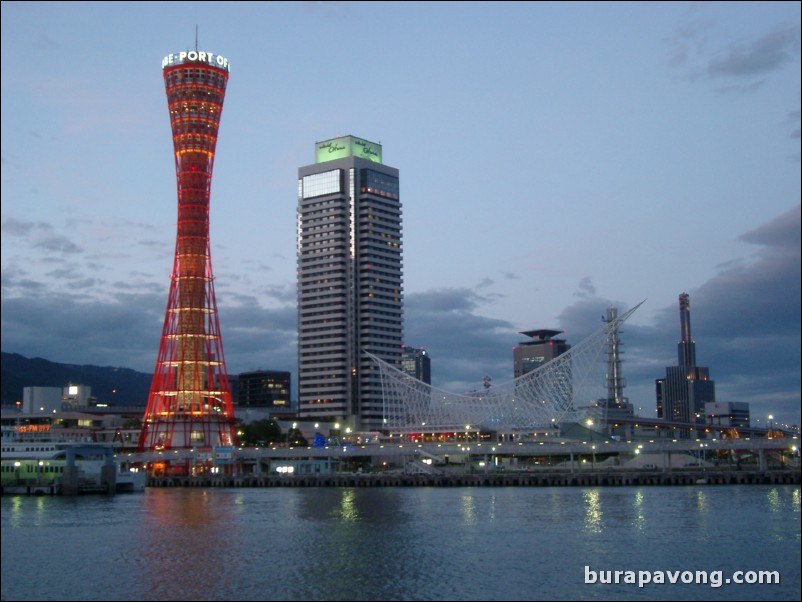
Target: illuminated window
{"points": [[328, 182], [380, 184]]}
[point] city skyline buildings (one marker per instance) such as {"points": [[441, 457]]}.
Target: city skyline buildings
{"points": [[686, 387], [83, 240], [350, 282], [190, 403], [542, 348], [264, 389], [417, 363]]}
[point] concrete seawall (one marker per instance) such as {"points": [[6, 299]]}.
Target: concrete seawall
{"points": [[598, 479]]}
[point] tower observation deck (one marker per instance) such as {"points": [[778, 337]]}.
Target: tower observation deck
{"points": [[190, 405]]}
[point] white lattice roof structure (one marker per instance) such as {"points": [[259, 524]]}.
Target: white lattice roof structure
{"points": [[562, 390]]}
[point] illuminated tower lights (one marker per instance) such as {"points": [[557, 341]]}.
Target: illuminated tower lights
{"points": [[190, 402]]}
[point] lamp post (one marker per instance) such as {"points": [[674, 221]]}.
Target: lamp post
{"points": [[770, 434], [589, 422], [289, 431]]}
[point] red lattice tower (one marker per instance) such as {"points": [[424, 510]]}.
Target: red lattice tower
{"points": [[190, 404]]}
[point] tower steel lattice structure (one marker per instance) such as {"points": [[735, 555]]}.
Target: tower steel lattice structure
{"points": [[190, 404]]}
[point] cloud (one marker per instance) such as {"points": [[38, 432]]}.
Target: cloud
{"points": [[256, 338], [767, 53], [794, 120], [72, 330], [586, 288], [745, 321], [783, 231], [464, 346], [449, 300], [745, 65], [15, 227], [745, 88], [688, 37]]}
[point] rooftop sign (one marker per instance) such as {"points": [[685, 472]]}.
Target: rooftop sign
{"points": [[193, 56], [347, 146]]}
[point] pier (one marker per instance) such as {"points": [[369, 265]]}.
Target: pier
{"points": [[523, 464], [524, 479]]}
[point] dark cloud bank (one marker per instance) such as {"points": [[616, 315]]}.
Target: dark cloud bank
{"points": [[745, 321]]}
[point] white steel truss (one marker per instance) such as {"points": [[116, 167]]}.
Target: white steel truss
{"points": [[566, 389]]}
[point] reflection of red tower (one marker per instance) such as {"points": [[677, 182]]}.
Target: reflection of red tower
{"points": [[190, 400]]}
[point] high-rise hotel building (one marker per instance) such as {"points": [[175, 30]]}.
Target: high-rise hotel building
{"points": [[350, 294]]}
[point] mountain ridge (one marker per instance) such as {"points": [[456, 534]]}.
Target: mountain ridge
{"points": [[111, 385]]}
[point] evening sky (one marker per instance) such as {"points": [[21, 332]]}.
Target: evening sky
{"points": [[555, 159]]}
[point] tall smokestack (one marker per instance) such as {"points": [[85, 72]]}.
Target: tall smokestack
{"points": [[686, 347]]}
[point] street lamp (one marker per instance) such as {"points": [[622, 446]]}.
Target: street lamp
{"points": [[294, 427], [770, 434], [589, 422]]}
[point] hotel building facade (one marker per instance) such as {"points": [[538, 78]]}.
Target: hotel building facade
{"points": [[350, 281]]}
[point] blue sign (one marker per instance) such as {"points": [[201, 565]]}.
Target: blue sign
{"points": [[223, 454]]}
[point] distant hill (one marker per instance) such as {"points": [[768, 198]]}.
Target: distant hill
{"points": [[17, 372]]}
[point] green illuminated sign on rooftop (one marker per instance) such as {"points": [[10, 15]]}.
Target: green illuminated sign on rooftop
{"points": [[347, 146]]}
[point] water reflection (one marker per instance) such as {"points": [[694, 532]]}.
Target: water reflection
{"points": [[701, 501], [492, 511], [773, 498], [363, 540], [468, 509], [640, 518], [184, 541], [348, 509], [15, 515], [391, 543], [593, 511], [343, 504]]}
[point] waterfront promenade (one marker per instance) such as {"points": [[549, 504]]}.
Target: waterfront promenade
{"points": [[546, 478], [549, 447], [524, 463]]}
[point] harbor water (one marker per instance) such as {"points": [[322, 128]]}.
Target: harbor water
{"points": [[405, 543]]}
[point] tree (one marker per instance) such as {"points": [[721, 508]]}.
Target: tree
{"points": [[261, 432], [296, 439]]}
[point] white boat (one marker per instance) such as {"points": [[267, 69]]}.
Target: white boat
{"points": [[34, 459]]}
